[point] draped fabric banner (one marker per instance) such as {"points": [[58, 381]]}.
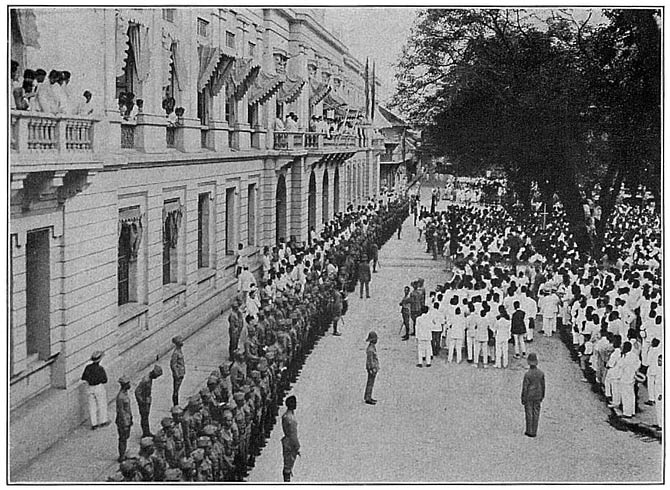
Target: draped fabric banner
{"points": [[121, 44], [318, 91], [209, 58], [264, 87], [241, 76], [180, 67], [171, 224], [139, 43], [27, 24], [130, 226]]}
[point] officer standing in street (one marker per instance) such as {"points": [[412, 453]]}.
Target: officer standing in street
{"points": [[143, 397], [532, 395], [372, 366], [124, 416], [290, 443], [178, 368]]}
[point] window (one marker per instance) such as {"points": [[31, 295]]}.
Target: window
{"points": [[251, 214], [230, 221], [38, 293], [203, 27], [230, 40], [252, 115], [168, 14], [172, 215], [203, 230], [252, 49], [130, 238], [128, 80], [203, 106]]}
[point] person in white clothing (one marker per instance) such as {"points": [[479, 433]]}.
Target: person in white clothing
{"points": [[549, 309], [653, 371], [424, 335], [481, 338], [529, 307], [658, 390], [470, 329], [244, 282], [456, 335], [613, 374], [630, 365], [503, 332]]}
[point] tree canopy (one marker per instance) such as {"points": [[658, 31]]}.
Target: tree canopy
{"points": [[555, 101]]}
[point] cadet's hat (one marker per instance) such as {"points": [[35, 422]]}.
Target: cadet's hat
{"points": [[204, 392], [124, 380], [640, 377], [532, 359], [209, 430], [157, 370], [224, 368], [176, 410], [263, 365], [212, 380], [193, 402], [215, 373], [173, 474], [371, 336], [203, 441], [255, 374], [146, 442], [178, 340], [97, 355], [238, 396], [186, 463], [167, 422], [270, 355], [198, 455], [127, 466]]}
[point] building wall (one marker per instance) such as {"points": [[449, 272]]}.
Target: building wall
{"points": [[47, 397]]}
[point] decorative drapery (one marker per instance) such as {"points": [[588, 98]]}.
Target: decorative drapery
{"points": [[214, 68], [171, 223], [121, 44], [27, 26], [132, 33], [240, 77], [131, 227], [332, 101], [265, 86], [290, 89], [138, 35], [318, 90]]}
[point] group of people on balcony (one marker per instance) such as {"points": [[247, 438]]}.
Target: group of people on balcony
{"points": [[290, 124], [50, 94]]}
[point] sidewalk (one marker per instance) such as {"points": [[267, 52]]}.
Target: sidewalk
{"points": [[85, 455]]}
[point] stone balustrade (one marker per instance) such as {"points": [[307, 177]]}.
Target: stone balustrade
{"points": [[38, 133]]}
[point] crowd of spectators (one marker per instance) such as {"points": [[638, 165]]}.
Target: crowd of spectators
{"points": [[51, 94]]}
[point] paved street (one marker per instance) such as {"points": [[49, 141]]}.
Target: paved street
{"points": [[448, 423]]}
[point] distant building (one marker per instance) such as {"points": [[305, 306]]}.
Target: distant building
{"points": [[124, 223], [399, 160]]}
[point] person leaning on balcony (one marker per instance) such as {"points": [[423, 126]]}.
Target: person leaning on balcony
{"points": [[14, 83], [279, 124], [313, 124], [291, 124], [48, 96], [85, 107], [96, 378], [66, 103]]}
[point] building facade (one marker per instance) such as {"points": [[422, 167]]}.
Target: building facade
{"points": [[124, 231]]}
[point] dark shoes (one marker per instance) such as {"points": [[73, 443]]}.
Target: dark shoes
{"points": [[529, 435], [419, 365], [649, 402], [405, 337], [337, 334], [371, 402]]}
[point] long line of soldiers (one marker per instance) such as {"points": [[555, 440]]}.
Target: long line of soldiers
{"points": [[222, 429]]}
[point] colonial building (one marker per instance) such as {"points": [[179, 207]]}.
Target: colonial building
{"points": [[124, 228], [400, 156]]}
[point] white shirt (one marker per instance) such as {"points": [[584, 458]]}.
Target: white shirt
{"points": [[423, 328]]}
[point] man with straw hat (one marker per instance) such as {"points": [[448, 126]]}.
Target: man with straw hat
{"points": [[96, 378]]}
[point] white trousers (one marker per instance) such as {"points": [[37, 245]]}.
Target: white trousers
{"points": [[628, 398], [651, 387], [97, 404], [455, 345], [549, 325], [480, 346], [529, 331], [425, 350], [519, 343], [470, 347], [502, 354]]}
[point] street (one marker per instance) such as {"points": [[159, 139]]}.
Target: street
{"points": [[447, 423]]}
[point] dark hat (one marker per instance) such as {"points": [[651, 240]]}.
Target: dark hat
{"points": [[146, 442], [532, 359], [167, 422], [157, 370], [371, 336], [97, 355], [212, 380], [178, 340], [124, 380]]}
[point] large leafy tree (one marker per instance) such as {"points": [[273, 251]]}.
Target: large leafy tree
{"points": [[545, 99]]}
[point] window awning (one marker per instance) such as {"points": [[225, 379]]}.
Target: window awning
{"points": [[332, 100], [290, 89], [26, 23], [214, 65], [240, 77], [265, 86], [318, 90]]}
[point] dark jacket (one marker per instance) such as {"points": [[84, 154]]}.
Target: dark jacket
{"points": [[364, 271], [518, 325], [533, 386]]}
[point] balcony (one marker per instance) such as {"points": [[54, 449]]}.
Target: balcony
{"points": [[127, 135], [46, 134]]}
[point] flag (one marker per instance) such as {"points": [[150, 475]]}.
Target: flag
{"points": [[372, 108], [367, 90]]}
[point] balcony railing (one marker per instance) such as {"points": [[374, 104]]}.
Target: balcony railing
{"points": [[170, 136], [286, 140], [127, 135], [33, 132], [312, 140]]}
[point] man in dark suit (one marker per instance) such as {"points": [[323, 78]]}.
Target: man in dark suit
{"points": [[532, 394]]}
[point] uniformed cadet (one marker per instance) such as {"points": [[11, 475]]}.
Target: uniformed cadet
{"points": [[145, 464], [192, 424], [124, 416], [290, 442], [178, 368], [143, 397], [158, 458]]}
